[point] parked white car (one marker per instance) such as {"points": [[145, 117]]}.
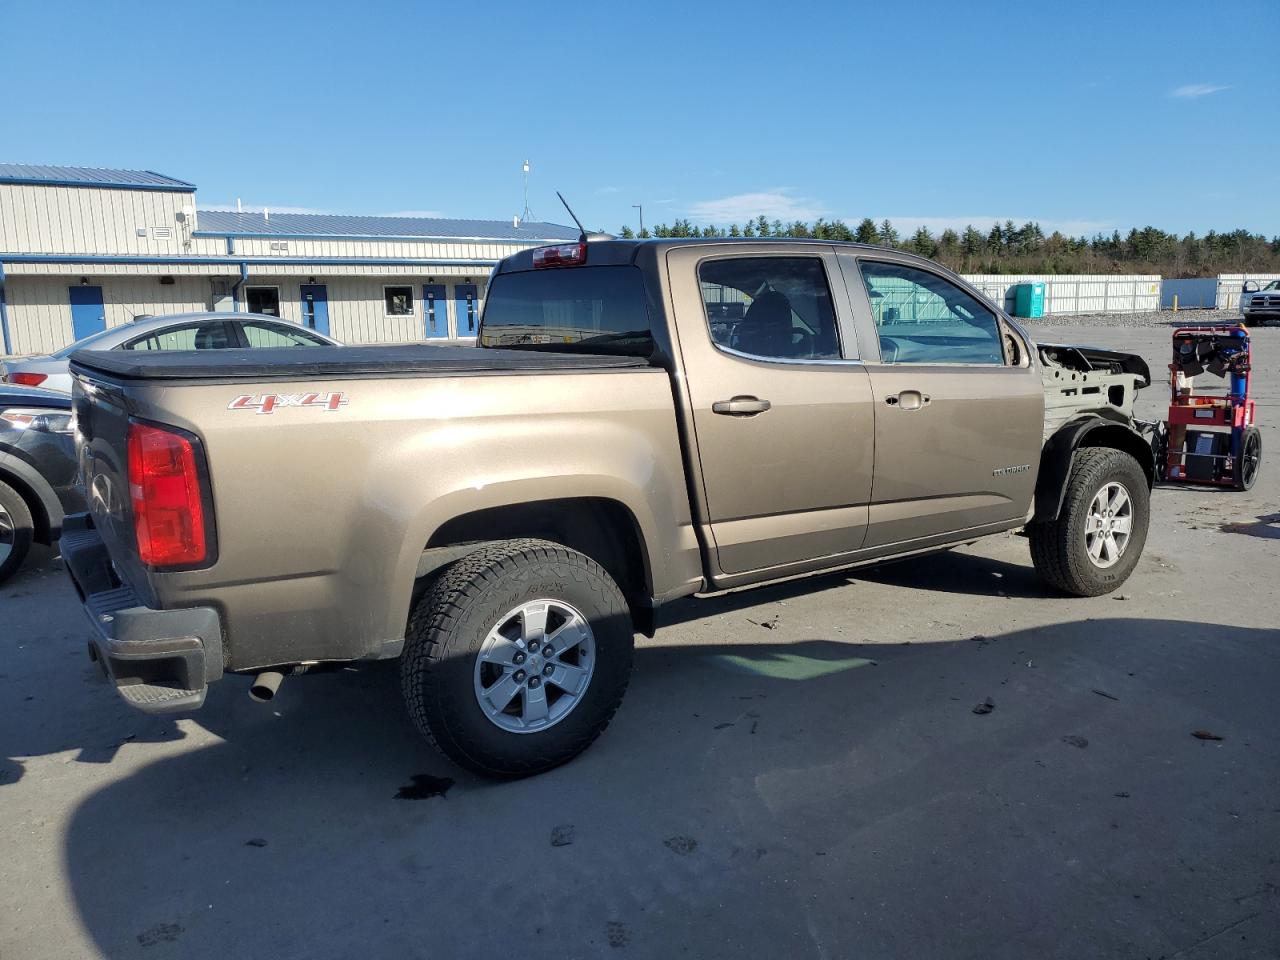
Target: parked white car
{"points": [[1259, 306], [178, 331]]}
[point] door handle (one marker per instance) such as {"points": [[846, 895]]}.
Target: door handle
{"points": [[908, 400], [740, 406]]}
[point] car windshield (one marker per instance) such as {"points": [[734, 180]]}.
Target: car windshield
{"points": [[86, 344]]}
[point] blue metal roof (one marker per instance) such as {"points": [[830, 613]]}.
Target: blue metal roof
{"points": [[303, 226], [91, 177]]}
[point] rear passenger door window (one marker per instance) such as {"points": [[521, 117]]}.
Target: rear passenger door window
{"points": [[192, 336], [772, 308], [921, 317]]}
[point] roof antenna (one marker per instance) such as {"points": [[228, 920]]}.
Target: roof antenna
{"points": [[572, 214]]}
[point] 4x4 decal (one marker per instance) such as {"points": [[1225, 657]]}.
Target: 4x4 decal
{"points": [[269, 402]]}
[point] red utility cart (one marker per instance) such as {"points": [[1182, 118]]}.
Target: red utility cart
{"points": [[1210, 437]]}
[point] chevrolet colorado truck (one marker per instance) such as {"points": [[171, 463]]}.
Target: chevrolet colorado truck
{"points": [[640, 421]]}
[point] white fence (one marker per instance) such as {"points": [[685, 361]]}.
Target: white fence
{"points": [[1083, 293], [1231, 285]]}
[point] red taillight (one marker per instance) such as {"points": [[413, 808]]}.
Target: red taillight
{"points": [[561, 255], [168, 515], [28, 379]]}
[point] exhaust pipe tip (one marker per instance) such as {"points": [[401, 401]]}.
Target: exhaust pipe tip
{"points": [[265, 686]]}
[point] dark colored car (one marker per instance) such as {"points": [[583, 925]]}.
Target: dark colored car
{"points": [[37, 470]]}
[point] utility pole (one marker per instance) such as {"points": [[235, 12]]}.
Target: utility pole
{"points": [[640, 207]]}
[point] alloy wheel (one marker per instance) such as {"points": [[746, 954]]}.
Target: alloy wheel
{"points": [[535, 666]]}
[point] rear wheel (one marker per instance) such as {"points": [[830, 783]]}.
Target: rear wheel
{"points": [[517, 657], [1250, 459], [1097, 539], [16, 531]]}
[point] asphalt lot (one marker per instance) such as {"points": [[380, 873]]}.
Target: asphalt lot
{"points": [[796, 772]]}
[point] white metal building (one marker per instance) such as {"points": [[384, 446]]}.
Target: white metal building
{"points": [[83, 248]]}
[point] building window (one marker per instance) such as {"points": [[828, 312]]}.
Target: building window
{"points": [[262, 300], [399, 301]]}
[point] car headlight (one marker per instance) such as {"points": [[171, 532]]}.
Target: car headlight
{"points": [[41, 421]]}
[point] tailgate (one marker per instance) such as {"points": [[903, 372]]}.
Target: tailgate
{"points": [[102, 431]]}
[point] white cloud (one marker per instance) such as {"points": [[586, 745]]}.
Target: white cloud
{"points": [[608, 189], [1070, 228], [1192, 90], [776, 204]]}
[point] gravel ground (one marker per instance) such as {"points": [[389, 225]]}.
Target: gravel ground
{"points": [[1153, 318]]}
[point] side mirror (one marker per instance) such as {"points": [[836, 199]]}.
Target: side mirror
{"points": [[1250, 286]]}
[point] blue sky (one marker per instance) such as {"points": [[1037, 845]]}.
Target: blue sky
{"points": [[1084, 116]]}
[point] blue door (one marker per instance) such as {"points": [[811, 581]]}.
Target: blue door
{"points": [[315, 307], [466, 308], [435, 311], [87, 313]]}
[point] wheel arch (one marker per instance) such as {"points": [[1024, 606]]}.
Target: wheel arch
{"points": [[1056, 458], [46, 511], [601, 528]]}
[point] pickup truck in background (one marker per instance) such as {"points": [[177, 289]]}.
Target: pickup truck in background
{"points": [[640, 421], [1257, 306]]}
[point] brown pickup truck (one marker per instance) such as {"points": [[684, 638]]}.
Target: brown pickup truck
{"points": [[640, 421]]}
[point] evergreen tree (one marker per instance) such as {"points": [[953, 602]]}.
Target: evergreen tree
{"points": [[922, 242], [867, 232]]}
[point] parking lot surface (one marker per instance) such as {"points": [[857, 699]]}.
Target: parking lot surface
{"points": [[797, 771]]}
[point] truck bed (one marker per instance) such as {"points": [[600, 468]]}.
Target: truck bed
{"points": [[375, 360]]}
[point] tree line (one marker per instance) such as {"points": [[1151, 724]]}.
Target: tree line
{"points": [[1008, 248]]}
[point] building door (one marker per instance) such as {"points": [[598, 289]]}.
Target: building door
{"points": [[315, 307], [435, 311], [88, 315], [466, 309]]}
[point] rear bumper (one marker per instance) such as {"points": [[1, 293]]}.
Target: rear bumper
{"points": [[160, 661]]}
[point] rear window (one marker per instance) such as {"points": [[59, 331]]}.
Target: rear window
{"points": [[569, 310]]}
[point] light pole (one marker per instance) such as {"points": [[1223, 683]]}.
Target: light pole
{"points": [[640, 207]]}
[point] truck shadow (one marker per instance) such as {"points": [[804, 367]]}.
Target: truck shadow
{"points": [[742, 798]]}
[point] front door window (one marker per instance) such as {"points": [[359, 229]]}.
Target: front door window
{"points": [[923, 318]]}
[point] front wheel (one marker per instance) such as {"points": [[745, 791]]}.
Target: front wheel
{"points": [[16, 531], [1095, 542], [1250, 459], [517, 657]]}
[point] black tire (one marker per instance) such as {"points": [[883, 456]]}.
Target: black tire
{"points": [[447, 629], [1160, 449], [1058, 546], [1249, 462], [16, 530]]}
